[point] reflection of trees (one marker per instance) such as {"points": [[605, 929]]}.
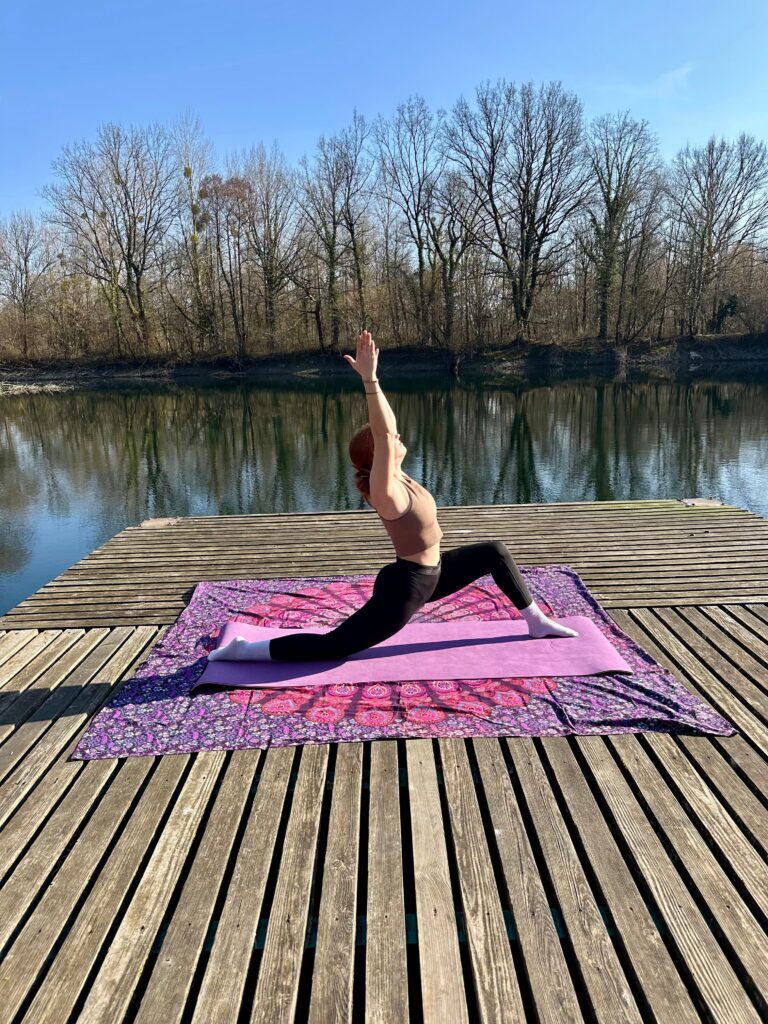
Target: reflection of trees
{"points": [[134, 454], [19, 491]]}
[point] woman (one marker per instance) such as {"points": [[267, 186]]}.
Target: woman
{"points": [[419, 574]]}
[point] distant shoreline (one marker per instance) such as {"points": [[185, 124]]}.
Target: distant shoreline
{"points": [[686, 352]]}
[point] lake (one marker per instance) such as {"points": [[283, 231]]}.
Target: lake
{"points": [[77, 467]]}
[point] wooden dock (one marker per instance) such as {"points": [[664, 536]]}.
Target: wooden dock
{"points": [[611, 879]]}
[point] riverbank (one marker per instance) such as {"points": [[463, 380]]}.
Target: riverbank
{"points": [[513, 361]]}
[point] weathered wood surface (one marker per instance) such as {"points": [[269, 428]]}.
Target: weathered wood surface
{"points": [[641, 554], [579, 879]]}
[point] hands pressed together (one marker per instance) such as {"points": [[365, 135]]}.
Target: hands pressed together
{"points": [[367, 356]]}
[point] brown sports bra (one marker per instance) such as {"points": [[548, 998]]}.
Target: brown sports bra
{"points": [[417, 529]]}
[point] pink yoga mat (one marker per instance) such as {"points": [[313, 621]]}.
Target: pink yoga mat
{"points": [[460, 649]]}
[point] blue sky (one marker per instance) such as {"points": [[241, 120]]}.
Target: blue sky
{"points": [[292, 71]]}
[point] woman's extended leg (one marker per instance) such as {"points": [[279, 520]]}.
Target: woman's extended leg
{"points": [[398, 592], [464, 565]]}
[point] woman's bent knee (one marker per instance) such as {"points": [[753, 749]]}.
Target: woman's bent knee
{"points": [[499, 548]]}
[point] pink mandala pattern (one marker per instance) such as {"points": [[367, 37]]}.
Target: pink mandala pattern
{"points": [[421, 701], [157, 712]]}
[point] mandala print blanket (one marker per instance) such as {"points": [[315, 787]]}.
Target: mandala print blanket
{"points": [[159, 711]]}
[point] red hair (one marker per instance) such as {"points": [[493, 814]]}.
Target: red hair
{"points": [[361, 454]]}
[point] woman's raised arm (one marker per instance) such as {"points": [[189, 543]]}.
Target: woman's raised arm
{"points": [[380, 414]]}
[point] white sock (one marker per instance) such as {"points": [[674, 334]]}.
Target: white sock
{"points": [[540, 626], [241, 649]]}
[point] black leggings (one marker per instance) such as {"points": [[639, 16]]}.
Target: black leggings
{"points": [[401, 588]]}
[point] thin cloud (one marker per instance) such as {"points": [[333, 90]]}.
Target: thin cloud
{"points": [[669, 85]]}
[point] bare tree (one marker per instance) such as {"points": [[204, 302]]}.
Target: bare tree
{"points": [[194, 157], [27, 254], [621, 154], [641, 257], [720, 200], [224, 214], [453, 217], [521, 152], [273, 227], [116, 199], [358, 181], [320, 195], [503, 220], [411, 161]]}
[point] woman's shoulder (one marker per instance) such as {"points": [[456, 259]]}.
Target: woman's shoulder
{"points": [[392, 508]]}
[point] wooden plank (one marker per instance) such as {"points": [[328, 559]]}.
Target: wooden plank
{"points": [[758, 614], [313, 547], [548, 975], [163, 582], [598, 514], [442, 987], [24, 665], [223, 981], [738, 632], [754, 619], [163, 597], [660, 572], [709, 814], [741, 801], [648, 506], [651, 540], [750, 763], [121, 618], [493, 968], [606, 556], [386, 965], [670, 554], [736, 921], [369, 552], [651, 536], [113, 987], [616, 528], [720, 650], [333, 969], [657, 975], [25, 968], [18, 832], [169, 985], [277, 986], [37, 743], [70, 614], [31, 867], [161, 603], [696, 676], [49, 670], [721, 989], [12, 642], [609, 992], [709, 547]]}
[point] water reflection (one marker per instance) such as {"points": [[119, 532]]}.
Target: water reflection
{"points": [[76, 468]]}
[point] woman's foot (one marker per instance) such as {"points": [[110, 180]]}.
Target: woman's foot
{"points": [[540, 626], [241, 649]]}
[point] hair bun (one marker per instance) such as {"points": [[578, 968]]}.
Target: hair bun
{"points": [[363, 482]]}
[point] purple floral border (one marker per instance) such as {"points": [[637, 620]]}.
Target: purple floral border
{"points": [[154, 712]]}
